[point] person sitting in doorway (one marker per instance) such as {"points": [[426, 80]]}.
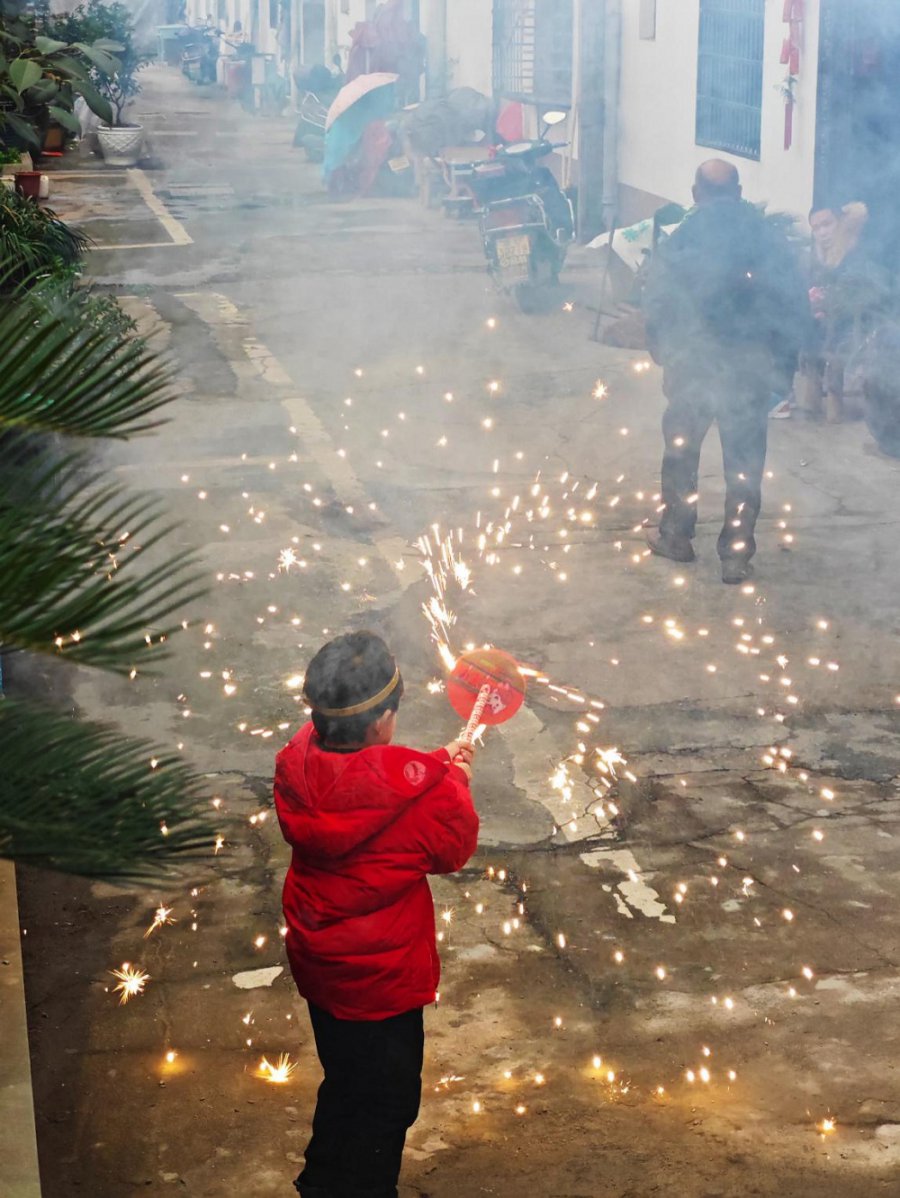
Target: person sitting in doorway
{"points": [[846, 291]]}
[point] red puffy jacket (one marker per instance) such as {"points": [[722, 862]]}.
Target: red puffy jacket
{"points": [[365, 829]]}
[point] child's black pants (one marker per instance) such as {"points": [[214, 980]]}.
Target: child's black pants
{"points": [[368, 1100]]}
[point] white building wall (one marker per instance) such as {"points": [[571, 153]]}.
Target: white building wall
{"points": [[197, 11], [470, 33], [658, 154], [468, 37], [340, 17]]}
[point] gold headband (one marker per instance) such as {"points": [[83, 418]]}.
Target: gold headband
{"points": [[358, 708]]}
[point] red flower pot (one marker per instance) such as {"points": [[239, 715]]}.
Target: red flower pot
{"points": [[28, 183]]}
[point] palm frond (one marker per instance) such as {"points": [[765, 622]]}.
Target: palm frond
{"points": [[79, 797], [73, 560], [60, 374], [33, 240]]}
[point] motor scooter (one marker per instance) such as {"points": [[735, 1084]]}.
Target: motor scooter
{"points": [[527, 221], [200, 54]]}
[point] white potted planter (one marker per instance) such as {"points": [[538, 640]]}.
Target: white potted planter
{"points": [[121, 144]]}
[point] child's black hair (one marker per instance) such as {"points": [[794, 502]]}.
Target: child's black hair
{"points": [[345, 672]]}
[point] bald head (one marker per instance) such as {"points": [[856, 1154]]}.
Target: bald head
{"points": [[716, 180]]}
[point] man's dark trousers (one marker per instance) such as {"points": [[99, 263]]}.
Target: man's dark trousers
{"points": [[735, 392], [367, 1102]]}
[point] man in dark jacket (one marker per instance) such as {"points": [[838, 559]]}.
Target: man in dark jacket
{"points": [[727, 314]]}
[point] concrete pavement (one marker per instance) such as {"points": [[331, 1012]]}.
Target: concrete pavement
{"points": [[18, 1145], [681, 984]]}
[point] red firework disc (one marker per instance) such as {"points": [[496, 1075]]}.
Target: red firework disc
{"points": [[487, 667]]}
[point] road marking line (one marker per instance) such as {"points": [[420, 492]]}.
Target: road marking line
{"points": [[634, 891], [175, 229], [134, 245], [220, 315], [137, 179]]}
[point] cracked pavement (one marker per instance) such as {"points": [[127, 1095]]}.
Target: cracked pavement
{"points": [[659, 923]]}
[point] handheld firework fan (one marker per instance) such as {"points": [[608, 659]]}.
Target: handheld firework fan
{"points": [[485, 687]]}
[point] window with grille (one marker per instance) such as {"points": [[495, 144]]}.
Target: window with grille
{"points": [[533, 50], [729, 75]]}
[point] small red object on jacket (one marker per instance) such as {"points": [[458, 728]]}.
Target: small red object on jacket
{"points": [[366, 828]]}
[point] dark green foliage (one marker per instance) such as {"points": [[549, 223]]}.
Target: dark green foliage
{"points": [[41, 76], [75, 796], [110, 27], [87, 574], [33, 242], [72, 550]]}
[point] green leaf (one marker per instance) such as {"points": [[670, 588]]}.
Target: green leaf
{"points": [[21, 128], [62, 117], [75, 68], [105, 43], [48, 45], [97, 103], [78, 584], [105, 63], [57, 375], [34, 241], [24, 72], [42, 91], [80, 797]]}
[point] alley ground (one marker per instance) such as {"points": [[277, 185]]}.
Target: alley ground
{"points": [[685, 985]]}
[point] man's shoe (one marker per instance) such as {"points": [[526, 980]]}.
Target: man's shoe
{"points": [[676, 549], [736, 570]]}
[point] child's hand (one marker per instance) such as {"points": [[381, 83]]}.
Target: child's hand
{"points": [[466, 769], [460, 753]]}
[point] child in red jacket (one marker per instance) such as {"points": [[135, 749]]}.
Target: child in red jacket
{"points": [[367, 822]]}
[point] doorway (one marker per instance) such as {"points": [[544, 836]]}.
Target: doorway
{"points": [[857, 125], [313, 18]]}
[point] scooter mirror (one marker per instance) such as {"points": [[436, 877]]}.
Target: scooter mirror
{"points": [[554, 118]]}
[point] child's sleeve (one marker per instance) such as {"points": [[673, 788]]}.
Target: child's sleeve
{"points": [[447, 824]]}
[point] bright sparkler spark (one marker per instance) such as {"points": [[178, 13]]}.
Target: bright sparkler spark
{"points": [[132, 981], [161, 916], [279, 1072], [443, 565], [286, 559], [447, 655], [462, 574]]}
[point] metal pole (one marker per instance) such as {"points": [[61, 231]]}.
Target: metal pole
{"points": [[589, 100], [612, 72], [435, 22]]}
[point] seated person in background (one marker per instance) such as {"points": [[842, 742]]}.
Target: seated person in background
{"points": [[846, 291]]}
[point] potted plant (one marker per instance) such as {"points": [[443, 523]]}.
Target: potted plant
{"points": [[107, 26], [120, 141]]}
